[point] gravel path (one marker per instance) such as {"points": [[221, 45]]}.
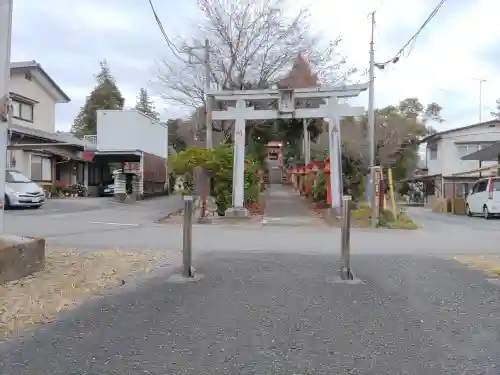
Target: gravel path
{"points": [[256, 313]]}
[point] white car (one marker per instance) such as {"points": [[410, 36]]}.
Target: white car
{"points": [[20, 191], [484, 198]]}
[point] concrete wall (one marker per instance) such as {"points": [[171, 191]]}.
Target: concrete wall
{"points": [[20, 258], [126, 130]]}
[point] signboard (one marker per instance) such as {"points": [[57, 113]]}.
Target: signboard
{"points": [[131, 167], [376, 191]]}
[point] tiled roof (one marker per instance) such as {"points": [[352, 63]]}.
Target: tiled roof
{"points": [[54, 137]]}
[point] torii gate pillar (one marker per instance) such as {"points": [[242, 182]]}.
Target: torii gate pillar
{"points": [[238, 209]]}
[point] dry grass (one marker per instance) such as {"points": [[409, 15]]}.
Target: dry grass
{"points": [[69, 279], [361, 218], [490, 264]]}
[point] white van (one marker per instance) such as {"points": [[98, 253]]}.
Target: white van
{"points": [[484, 198]]}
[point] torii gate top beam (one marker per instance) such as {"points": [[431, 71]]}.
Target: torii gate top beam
{"points": [[305, 93]]}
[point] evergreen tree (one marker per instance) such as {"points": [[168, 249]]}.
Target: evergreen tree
{"points": [[105, 95], [145, 104]]}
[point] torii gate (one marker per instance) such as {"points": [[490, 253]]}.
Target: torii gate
{"points": [[332, 111]]}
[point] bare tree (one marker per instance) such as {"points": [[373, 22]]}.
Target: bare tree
{"points": [[395, 134], [253, 44]]}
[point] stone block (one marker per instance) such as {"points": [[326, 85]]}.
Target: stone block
{"points": [[20, 257], [238, 213]]}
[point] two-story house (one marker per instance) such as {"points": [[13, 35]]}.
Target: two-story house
{"points": [[444, 153], [35, 148]]}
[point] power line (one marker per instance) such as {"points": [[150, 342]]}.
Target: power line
{"points": [[411, 42], [173, 48]]}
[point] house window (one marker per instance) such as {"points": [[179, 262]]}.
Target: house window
{"points": [[41, 168], [433, 152], [22, 111], [462, 150], [466, 149]]}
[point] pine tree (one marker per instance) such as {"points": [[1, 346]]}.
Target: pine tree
{"points": [[105, 95], [145, 104]]}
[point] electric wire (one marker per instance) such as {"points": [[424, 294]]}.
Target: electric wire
{"points": [[411, 42], [173, 48]]}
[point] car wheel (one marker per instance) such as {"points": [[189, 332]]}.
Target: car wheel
{"points": [[486, 213], [6, 203], [468, 211]]}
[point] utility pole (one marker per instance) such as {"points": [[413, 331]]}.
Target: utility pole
{"points": [[371, 122], [208, 102], [6, 7], [481, 81]]}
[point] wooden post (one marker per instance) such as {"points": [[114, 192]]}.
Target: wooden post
{"points": [[391, 194]]}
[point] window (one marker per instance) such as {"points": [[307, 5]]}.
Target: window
{"points": [[15, 176], [22, 110], [433, 154], [41, 168], [462, 150], [496, 184], [466, 149], [482, 186]]}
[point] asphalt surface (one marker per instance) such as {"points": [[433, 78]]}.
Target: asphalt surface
{"points": [[94, 223], [267, 313], [86, 216], [433, 221]]}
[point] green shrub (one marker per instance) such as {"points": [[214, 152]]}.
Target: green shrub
{"points": [[219, 161]]}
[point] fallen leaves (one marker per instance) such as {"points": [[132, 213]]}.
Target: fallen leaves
{"points": [[490, 264], [69, 279]]}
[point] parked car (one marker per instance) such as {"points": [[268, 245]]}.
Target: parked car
{"points": [[484, 198], [20, 191], [107, 189]]}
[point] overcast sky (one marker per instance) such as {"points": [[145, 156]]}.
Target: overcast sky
{"points": [[69, 38]]}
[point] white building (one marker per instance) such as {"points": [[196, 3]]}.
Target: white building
{"points": [[35, 148], [445, 152]]}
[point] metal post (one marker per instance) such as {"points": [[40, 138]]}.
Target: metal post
{"points": [[6, 7], [345, 271], [187, 234]]}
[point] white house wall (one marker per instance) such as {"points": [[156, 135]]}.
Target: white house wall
{"points": [[449, 159], [43, 111], [119, 130]]}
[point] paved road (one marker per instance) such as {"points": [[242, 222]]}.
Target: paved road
{"points": [[279, 238], [97, 223], [256, 313], [432, 221], [66, 217]]}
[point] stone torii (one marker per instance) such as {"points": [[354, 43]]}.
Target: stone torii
{"points": [[333, 111]]}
